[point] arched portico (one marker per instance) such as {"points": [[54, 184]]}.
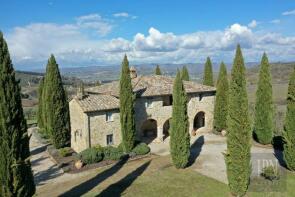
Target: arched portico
{"points": [[199, 121], [149, 130], [166, 128]]}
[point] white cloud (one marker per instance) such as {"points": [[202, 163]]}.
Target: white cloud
{"points": [[73, 46], [124, 15], [156, 41], [275, 21], [290, 12], [95, 22], [253, 24], [121, 14]]}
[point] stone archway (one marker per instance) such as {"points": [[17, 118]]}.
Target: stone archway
{"points": [[199, 120], [166, 128], [149, 130]]}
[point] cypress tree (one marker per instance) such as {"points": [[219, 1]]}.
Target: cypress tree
{"points": [[289, 126], [56, 107], [158, 70], [15, 168], [208, 73], [127, 118], [179, 135], [184, 74], [221, 102], [40, 105], [239, 135], [263, 125]]}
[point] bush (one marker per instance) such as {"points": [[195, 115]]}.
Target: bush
{"points": [[141, 149], [91, 155], [112, 153], [120, 147], [64, 152], [271, 173]]}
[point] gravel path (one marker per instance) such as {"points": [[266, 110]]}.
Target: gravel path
{"points": [[206, 149], [207, 157]]}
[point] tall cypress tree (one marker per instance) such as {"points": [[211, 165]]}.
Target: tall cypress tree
{"points": [[221, 102], [16, 176], [184, 74], [263, 125], [40, 105], [127, 118], [158, 70], [208, 73], [239, 135], [289, 127], [179, 135], [56, 107]]}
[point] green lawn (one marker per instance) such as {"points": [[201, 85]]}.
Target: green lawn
{"points": [[149, 177]]}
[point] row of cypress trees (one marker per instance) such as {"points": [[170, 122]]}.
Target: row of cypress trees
{"points": [[53, 111], [16, 175], [208, 73]]}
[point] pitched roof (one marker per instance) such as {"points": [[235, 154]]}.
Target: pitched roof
{"points": [[152, 85], [97, 102]]}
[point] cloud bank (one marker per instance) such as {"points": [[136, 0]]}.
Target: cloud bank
{"points": [[74, 46]]}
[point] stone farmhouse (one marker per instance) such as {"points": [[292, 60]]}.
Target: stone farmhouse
{"points": [[95, 116]]}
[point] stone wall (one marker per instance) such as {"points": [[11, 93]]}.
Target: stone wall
{"points": [[161, 113], [79, 127], [95, 124], [100, 128]]}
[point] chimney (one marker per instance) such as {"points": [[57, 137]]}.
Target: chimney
{"points": [[133, 73], [81, 92]]}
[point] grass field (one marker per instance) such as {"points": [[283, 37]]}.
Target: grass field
{"points": [[151, 177]]}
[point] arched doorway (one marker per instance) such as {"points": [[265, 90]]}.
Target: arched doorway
{"points": [[199, 120], [166, 128], [149, 130]]}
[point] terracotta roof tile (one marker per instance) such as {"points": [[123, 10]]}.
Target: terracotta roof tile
{"points": [[97, 102], [153, 85]]}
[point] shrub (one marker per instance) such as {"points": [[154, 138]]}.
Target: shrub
{"points": [[98, 147], [64, 152], [141, 149], [112, 153], [271, 173], [120, 147], [91, 155]]}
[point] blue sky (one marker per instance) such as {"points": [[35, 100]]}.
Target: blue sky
{"points": [[100, 32]]}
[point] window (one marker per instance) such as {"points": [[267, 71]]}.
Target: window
{"points": [[109, 116], [167, 101], [149, 103], [110, 139]]}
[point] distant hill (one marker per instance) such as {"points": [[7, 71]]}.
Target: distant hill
{"points": [[110, 73], [28, 78]]}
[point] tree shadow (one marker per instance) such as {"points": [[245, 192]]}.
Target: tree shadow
{"points": [[45, 175], [116, 189], [83, 188], [39, 150], [195, 150], [280, 157]]}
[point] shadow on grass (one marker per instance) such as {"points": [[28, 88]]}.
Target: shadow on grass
{"points": [[195, 150], [83, 188], [116, 189]]}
